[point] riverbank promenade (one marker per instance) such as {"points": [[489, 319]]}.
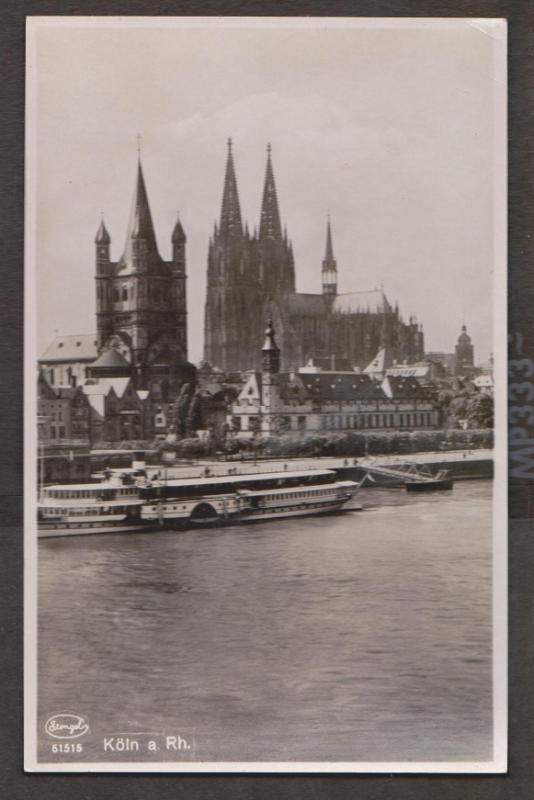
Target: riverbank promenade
{"points": [[214, 468]]}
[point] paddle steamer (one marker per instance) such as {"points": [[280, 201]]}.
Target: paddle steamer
{"points": [[132, 502]]}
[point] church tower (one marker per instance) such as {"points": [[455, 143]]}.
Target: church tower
{"points": [[231, 335], [226, 259], [249, 276], [141, 301], [104, 292], [270, 369], [329, 267], [464, 354], [274, 252]]}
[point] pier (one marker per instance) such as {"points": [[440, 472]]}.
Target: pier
{"points": [[462, 465]]}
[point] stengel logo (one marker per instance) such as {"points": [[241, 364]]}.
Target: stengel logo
{"points": [[66, 726]]}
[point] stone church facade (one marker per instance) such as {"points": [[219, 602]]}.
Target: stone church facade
{"points": [[251, 277], [141, 300]]}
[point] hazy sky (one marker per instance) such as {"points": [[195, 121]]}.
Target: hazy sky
{"points": [[388, 127]]}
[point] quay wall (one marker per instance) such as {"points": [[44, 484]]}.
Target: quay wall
{"points": [[462, 465]]}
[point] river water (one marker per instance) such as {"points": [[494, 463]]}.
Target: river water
{"points": [[364, 636]]}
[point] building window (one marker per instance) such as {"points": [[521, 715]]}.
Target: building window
{"points": [[124, 293], [116, 295]]}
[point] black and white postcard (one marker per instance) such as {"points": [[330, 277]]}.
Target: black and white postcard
{"points": [[265, 398]]}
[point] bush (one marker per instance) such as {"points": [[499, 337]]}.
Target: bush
{"points": [[357, 444], [192, 448]]}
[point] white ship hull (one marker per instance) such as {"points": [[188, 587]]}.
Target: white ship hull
{"points": [[307, 511], [92, 509], [50, 530]]}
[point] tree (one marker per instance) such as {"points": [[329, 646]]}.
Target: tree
{"points": [[192, 421], [181, 408], [254, 423], [480, 412]]}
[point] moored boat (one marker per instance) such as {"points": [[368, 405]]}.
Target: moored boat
{"points": [[111, 506], [439, 482], [127, 505], [258, 496]]}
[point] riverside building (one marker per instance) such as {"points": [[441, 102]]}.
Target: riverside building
{"points": [[273, 401]]}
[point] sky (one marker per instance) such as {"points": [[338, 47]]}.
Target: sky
{"points": [[387, 126]]}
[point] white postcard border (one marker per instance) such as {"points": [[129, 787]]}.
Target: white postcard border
{"points": [[495, 28]]}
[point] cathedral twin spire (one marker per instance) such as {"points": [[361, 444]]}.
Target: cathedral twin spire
{"points": [[230, 210], [270, 227], [230, 222]]}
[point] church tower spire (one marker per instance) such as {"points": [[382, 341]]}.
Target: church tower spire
{"points": [[140, 238], [329, 268], [270, 378], [270, 227], [231, 224], [270, 351]]}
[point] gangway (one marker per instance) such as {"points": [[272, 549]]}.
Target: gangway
{"points": [[414, 476]]}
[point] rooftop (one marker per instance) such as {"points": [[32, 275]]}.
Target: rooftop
{"points": [[75, 347]]}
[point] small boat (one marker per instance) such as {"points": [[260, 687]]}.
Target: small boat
{"points": [[439, 482]]}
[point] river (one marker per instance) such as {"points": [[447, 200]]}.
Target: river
{"points": [[363, 636]]}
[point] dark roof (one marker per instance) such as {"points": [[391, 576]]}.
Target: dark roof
{"points": [[341, 386], [305, 305], [403, 388], [102, 235], [111, 359], [325, 386]]}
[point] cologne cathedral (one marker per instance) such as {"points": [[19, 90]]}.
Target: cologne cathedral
{"points": [[252, 277]]}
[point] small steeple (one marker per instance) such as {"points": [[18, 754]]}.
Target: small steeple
{"points": [[102, 235], [178, 234], [270, 350], [270, 227], [329, 266], [230, 210], [329, 256]]}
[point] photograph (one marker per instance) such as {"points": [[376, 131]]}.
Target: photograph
{"points": [[265, 459]]}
